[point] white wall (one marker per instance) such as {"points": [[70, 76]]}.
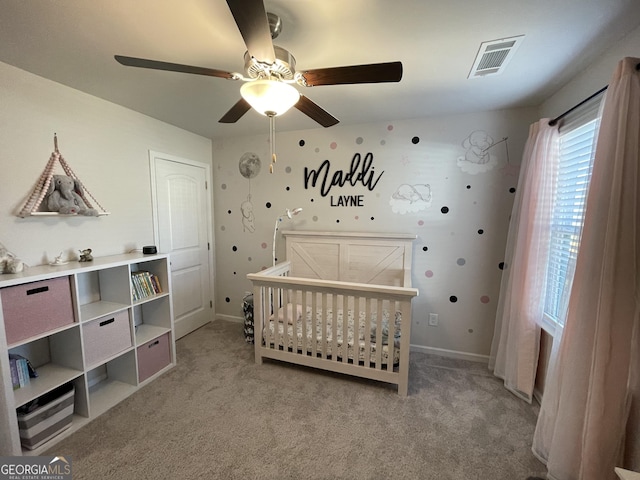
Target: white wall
{"points": [[592, 79], [106, 146], [458, 251]]}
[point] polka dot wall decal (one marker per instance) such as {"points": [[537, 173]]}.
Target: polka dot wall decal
{"points": [[333, 145], [315, 218], [223, 186], [223, 228], [453, 299], [501, 265], [461, 261], [357, 217], [373, 218], [512, 190], [338, 220], [415, 140], [421, 222], [480, 231], [468, 187], [424, 249], [470, 330], [249, 259], [263, 245], [485, 299], [227, 299], [301, 143], [317, 150], [390, 127], [287, 170], [444, 210], [359, 141], [288, 188], [383, 142], [268, 205], [234, 248], [428, 274]]}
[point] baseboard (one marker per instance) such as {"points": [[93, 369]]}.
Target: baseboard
{"points": [[229, 318], [474, 357], [537, 394]]}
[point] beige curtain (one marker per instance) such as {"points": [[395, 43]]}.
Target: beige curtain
{"points": [[516, 338], [583, 417]]}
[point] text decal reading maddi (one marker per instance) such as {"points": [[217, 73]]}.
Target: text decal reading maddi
{"points": [[361, 171]]}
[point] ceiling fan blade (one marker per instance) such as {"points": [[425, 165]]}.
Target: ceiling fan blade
{"points": [[371, 73], [172, 67], [238, 110], [251, 19], [315, 112]]}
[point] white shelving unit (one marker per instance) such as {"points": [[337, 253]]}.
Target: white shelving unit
{"points": [[110, 347]]}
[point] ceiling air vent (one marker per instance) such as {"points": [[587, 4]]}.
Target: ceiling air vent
{"points": [[493, 56]]}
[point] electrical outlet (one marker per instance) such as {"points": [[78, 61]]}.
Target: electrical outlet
{"points": [[433, 319]]}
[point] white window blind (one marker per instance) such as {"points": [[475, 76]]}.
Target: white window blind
{"points": [[578, 134]]}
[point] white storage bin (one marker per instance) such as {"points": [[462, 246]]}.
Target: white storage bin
{"points": [[105, 337]]}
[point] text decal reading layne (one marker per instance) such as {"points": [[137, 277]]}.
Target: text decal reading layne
{"points": [[361, 171]]}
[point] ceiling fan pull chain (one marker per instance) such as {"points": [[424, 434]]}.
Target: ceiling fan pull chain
{"points": [[272, 140]]}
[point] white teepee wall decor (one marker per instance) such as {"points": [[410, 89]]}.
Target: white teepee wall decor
{"points": [[41, 189]]}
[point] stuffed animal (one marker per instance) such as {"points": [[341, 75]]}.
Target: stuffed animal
{"points": [[9, 263], [65, 196], [85, 255]]}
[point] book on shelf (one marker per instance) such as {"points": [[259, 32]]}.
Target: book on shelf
{"points": [[144, 284], [15, 380], [21, 371]]}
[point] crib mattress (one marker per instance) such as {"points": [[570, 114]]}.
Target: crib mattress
{"points": [[356, 350]]}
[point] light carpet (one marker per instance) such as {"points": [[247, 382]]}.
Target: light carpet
{"points": [[218, 415]]}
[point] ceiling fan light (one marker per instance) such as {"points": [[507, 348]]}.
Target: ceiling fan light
{"points": [[270, 97]]}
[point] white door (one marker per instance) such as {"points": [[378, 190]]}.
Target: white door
{"points": [[182, 211]]}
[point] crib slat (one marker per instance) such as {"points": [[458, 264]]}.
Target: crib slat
{"points": [[303, 319], [294, 313], [391, 344], [334, 327], [367, 332], [345, 329], [314, 324], [272, 334], [379, 334], [324, 324], [282, 304]]}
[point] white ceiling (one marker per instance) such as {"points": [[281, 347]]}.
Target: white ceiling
{"points": [[73, 42]]}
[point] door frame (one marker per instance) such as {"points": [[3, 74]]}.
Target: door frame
{"points": [[153, 157]]}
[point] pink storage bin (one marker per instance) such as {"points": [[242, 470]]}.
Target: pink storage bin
{"points": [[35, 308], [106, 337], [153, 356]]}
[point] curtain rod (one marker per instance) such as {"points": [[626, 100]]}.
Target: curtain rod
{"points": [[561, 116]]}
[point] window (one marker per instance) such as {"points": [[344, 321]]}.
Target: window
{"points": [[577, 149]]}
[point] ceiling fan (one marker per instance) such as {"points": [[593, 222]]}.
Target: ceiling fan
{"points": [[270, 70]]}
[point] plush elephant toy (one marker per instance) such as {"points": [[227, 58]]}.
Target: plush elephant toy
{"points": [[65, 196]]}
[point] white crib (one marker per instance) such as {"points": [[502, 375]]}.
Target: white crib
{"points": [[340, 302]]}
